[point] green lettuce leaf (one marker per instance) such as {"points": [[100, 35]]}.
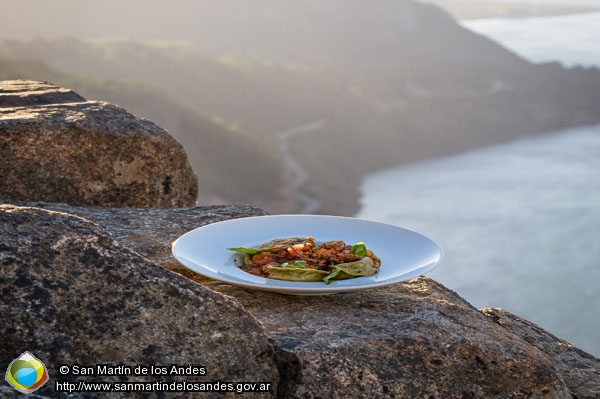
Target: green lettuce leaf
{"points": [[249, 251], [328, 279], [359, 249]]}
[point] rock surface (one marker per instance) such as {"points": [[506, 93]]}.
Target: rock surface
{"points": [[413, 339], [73, 295], [56, 146], [87, 285], [8, 392], [579, 369]]}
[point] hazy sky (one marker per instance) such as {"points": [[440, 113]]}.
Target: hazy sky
{"points": [[563, 2], [176, 19]]}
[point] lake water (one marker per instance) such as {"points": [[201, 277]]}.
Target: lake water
{"points": [[571, 40], [520, 222]]}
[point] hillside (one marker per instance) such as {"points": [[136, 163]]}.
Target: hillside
{"points": [[210, 145], [391, 81]]}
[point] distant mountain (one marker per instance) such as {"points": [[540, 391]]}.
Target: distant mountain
{"points": [[392, 81]]}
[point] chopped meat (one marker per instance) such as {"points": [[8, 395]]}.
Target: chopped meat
{"points": [[288, 251]]}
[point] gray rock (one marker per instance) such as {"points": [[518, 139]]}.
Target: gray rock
{"points": [[58, 147], [413, 339], [27, 93], [579, 369], [409, 340], [8, 392], [151, 231], [73, 295]]}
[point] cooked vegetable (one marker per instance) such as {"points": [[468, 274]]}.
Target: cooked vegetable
{"points": [[331, 276], [300, 264], [292, 274], [359, 249], [301, 259], [249, 251]]}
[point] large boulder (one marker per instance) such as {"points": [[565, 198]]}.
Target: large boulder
{"points": [[57, 146], [412, 339], [73, 295]]}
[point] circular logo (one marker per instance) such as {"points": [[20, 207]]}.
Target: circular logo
{"points": [[26, 373]]}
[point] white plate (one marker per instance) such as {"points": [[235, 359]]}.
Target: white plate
{"points": [[404, 253]]}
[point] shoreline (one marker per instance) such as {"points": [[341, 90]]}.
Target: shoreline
{"points": [[504, 10], [348, 199]]}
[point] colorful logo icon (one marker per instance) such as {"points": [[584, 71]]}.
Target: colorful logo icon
{"points": [[26, 373]]}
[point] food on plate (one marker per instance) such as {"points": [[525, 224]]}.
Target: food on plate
{"points": [[302, 259]]}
